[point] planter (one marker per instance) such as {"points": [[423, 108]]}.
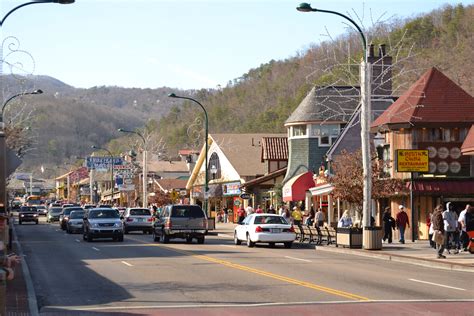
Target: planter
{"points": [[349, 237], [373, 238]]}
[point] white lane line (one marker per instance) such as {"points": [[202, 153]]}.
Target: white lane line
{"points": [[298, 259], [441, 285], [127, 264], [96, 249], [77, 240]]}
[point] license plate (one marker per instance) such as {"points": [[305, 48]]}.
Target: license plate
{"points": [[139, 220], [275, 230]]}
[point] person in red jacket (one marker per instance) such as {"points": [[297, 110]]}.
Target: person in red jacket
{"points": [[402, 223]]}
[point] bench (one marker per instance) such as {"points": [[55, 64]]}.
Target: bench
{"points": [[331, 235]]}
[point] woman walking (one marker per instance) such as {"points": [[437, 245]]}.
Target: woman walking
{"points": [[388, 225]]}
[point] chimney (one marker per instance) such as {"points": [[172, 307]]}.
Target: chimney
{"points": [[371, 50], [381, 72]]}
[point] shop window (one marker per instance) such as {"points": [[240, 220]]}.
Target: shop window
{"points": [[298, 130]]}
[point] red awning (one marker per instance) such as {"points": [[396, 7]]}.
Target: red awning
{"points": [[295, 188], [463, 187]]}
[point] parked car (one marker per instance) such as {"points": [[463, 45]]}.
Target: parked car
{"points": [[137, 219], [264, 228], [102, 223], [180, 221], [27, 214], [64, 216], [53, 214], [42, 210], [75, 222]]}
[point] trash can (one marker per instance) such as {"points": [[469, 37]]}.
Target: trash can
{"points": [[349, 237], [373, 238]]}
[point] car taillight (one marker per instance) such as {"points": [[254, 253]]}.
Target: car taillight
{"points": [[292, 229], [129, 219], [168, 223], [150, 220], [258, 229]]}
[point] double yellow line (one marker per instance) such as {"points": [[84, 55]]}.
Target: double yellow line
{"points": [[270, 275]]}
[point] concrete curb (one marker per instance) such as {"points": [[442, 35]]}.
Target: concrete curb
{"points": [[430, 263], [32, 303]]}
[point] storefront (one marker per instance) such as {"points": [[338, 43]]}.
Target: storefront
{"points": [[297, 189]]}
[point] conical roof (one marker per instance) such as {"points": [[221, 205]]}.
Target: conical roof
{"points": [[434, 98]]}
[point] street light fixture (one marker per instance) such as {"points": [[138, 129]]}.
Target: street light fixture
{"points": [[38, 91], [111, 169], [206, 181], [34, 2], [145, 165], [365, 87]]}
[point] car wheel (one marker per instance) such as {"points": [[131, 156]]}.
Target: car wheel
{"points": [[201, 240], [271, 244], [250, 243], [288, 244], [155, 237], [236, 240], [166, 238]]}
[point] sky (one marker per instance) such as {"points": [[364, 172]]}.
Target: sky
{"points": [[186, 44]]}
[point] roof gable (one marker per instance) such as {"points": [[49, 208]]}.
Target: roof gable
{"points": [[434, 98]]}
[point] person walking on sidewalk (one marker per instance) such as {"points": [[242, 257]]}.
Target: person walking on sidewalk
{"points": [[388, 224], [319, 218], [402, 223], [438, 230], [463, 236], [241, 214], [297, 216], [450, 227]]}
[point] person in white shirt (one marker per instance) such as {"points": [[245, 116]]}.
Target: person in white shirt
{"points": [[463, 236], [450, 227], [346, 220], [319, 219]]}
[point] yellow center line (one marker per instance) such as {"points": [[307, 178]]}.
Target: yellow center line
{"points": [[266, 274]]}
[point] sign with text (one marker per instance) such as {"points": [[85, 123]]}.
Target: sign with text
{"points": [[103, 163], [232, 188], [412, 160]]}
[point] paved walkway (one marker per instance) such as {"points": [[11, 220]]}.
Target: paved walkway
{"points": [[418, 252]]}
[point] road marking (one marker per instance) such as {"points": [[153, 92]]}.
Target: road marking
{"points": [[269, 275], [127, 264], [77, 240], [96, 249], [298, 259], [441, 285]]}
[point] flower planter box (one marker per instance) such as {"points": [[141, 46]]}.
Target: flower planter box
{"points": [[349, 237]]}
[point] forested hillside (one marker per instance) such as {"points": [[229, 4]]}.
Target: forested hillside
{"points": [[68, 121]]}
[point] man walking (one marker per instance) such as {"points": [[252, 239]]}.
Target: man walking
{"points": [[319, 218], [438, 229], [463, 233], [450, 227], [402, 223]]}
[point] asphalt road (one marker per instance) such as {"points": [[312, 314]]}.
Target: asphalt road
{"points": [[140, 276]]}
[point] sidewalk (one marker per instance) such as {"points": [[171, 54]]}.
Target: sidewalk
{"points": [[418, 252]]}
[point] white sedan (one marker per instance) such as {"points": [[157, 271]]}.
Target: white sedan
{"points": [[264, 228]]}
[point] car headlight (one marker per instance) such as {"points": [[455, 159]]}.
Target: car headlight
{"points": [[22, 215], [119, 224], [94, 225], [34, 215]]}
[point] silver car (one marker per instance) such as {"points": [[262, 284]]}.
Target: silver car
{"points": [[75, 222], [137, 219], [102, 223]]}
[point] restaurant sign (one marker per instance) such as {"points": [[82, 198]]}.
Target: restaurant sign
{"points": [[412, 160]]}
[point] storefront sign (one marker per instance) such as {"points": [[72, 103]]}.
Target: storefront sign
{"points": [[412, 160], [126, 187], [231, 188], [103, 163], [245, 196]]}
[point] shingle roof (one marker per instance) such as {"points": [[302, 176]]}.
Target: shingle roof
{"points": [[434, 98], [467, 147], [170, 184], [274, 148], [333, 103], [167, 166]]}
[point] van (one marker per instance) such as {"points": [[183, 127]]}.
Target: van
{"points": [[180, 221]]}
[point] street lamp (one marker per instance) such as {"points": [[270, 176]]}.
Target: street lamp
{"points": [[206, 181], [365, 87], [38, 91], [111, 169], [145, 166], [34, 2]]}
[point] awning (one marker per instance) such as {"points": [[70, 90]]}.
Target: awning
{"points": [[321, 189], [295, 188], [463, 187]]}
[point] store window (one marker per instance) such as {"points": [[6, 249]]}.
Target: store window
{"points": [[298, 130]]}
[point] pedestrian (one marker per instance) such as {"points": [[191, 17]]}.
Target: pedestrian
{"points": [[450, 227], [463, 236], [226, 214], [281, 210], [402, 222], [241, 214], [249, 210], [259, 210], [345, 220], [287, 216], [438, 230], [297, 216], [430, 230], [271, 210], [388, 225], [319, 218], [310, 219]]}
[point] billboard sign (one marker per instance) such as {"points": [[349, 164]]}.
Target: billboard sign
{"points": [[412, 160], [103, 163]]}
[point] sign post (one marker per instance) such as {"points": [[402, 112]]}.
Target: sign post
{"points": [[412, 160]]}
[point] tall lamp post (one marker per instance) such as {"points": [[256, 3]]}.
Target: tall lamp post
{"points": [[206, 122], [365, 87], [145, 164], [111, 169]]}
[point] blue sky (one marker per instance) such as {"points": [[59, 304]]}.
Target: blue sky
{"points": [[188, 44]]}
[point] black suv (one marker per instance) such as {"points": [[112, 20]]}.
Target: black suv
{"points": [[102, 223], [180, 221], [27, 214]]}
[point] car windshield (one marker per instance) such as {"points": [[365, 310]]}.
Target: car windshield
{"points": [[269, 220], [188, 211], [56, 210], [110, 213], [27, 209], [140, 212], [76, 214]]}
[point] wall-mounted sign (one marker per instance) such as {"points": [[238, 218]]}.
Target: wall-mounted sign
{"points": [[245, 196], [412, 160], [231, 188]]}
